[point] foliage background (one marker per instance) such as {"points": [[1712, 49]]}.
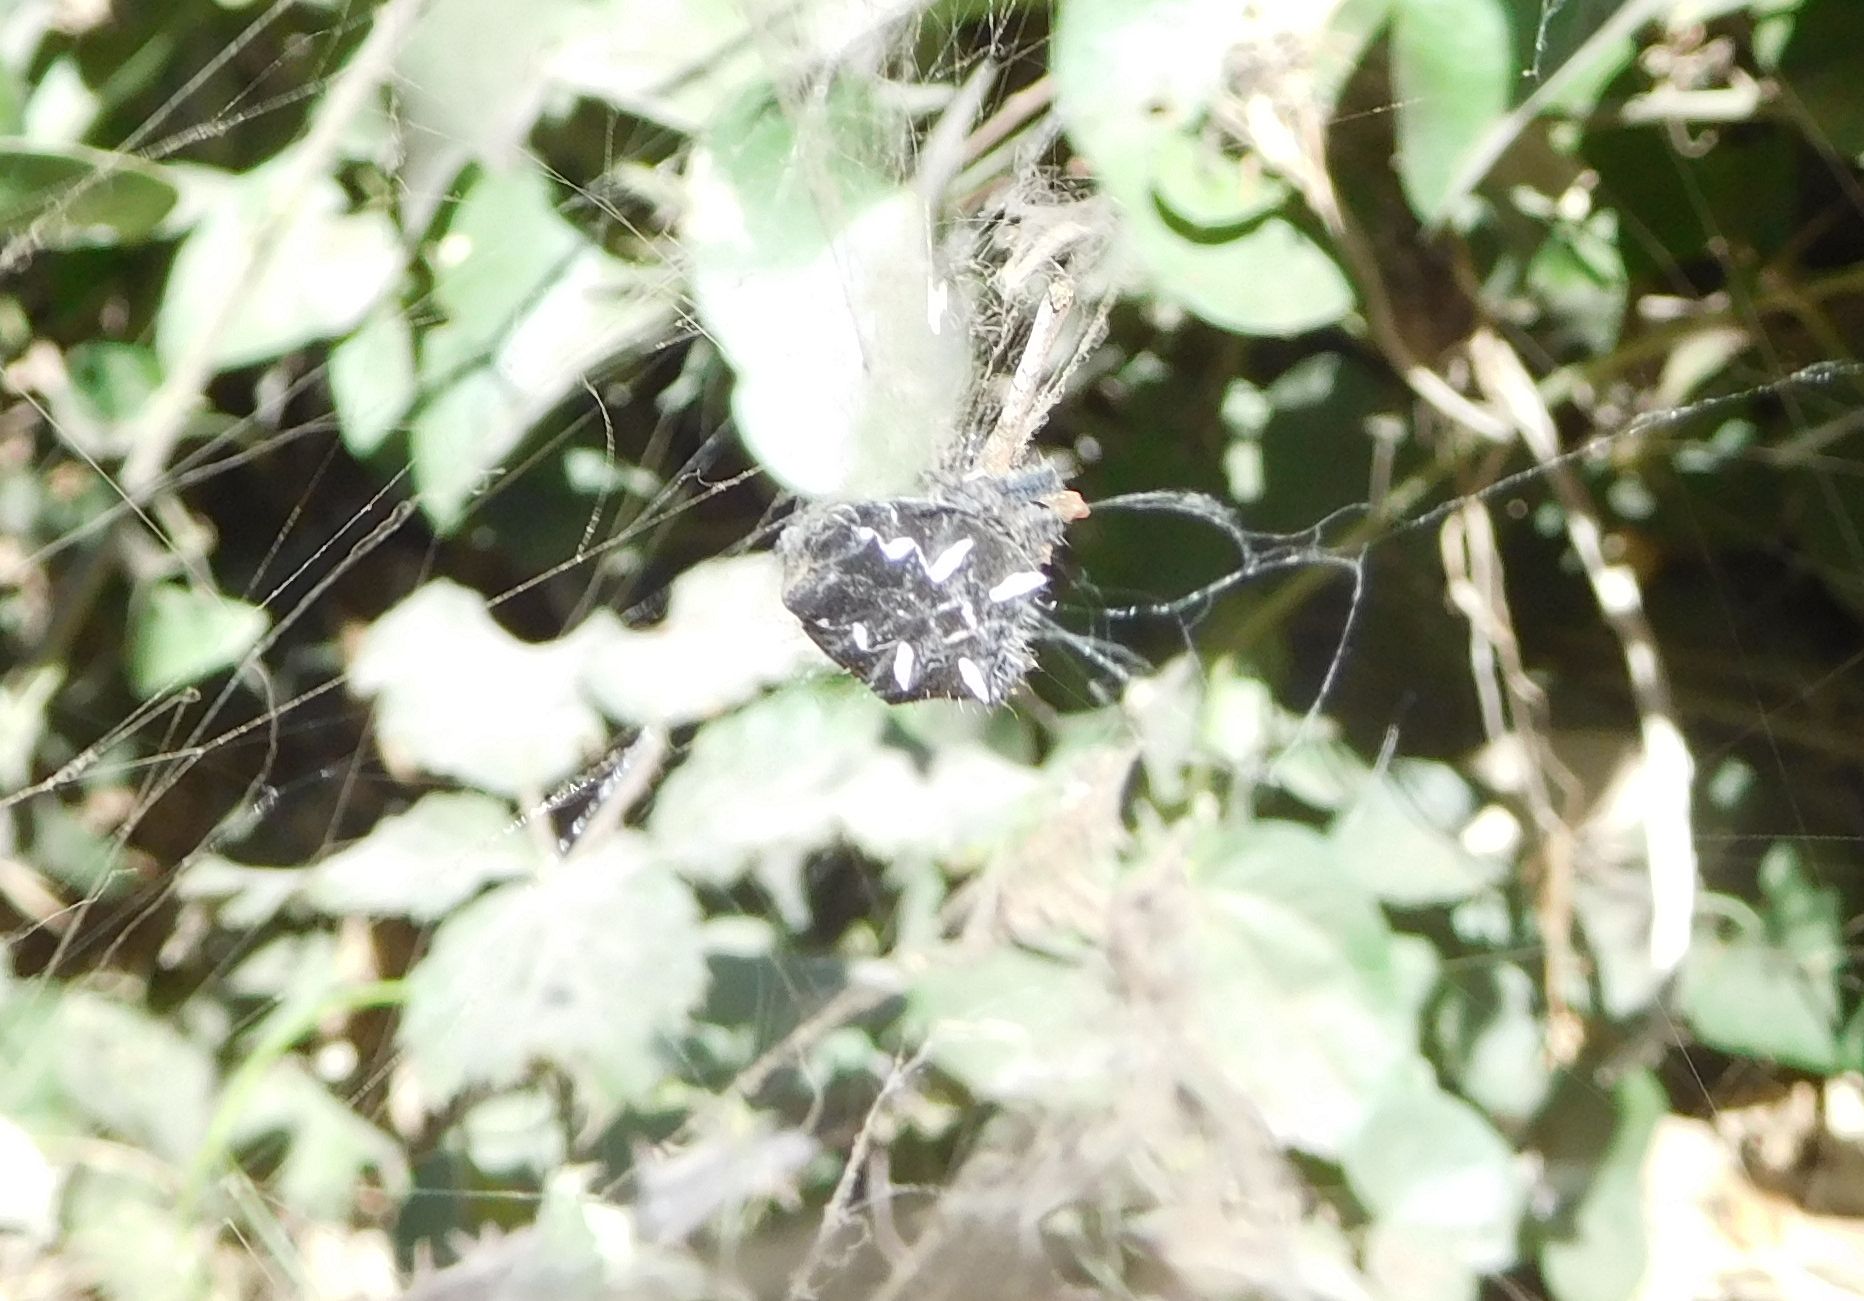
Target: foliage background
{"points": [[396, 398]]}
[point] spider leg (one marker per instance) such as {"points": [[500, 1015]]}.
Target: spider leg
{"points": [[1109, 660], [1256, 554]]}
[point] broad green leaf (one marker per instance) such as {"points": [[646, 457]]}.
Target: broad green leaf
{"points": [[181, 635], [1597, 1252], [1428, 1162], [812, 270], [1577, 280], [244, 898], [807, 768], [24, 697], [1014, 1027], [592, 968], [1406, 1263], [130, 1074], [458, 696], [372, 379], [1773, 993], [458, 440], [321, 269], [470, 81], [514, 1133], [1746, 996], [783, 765], [682, 65], [1295, 982], [425, 862], [725, 637], [1400, 837], [329, 1149], [504, 242], [1455, 70], [127, 1234], [73, 196], [528, 306], [1134, 85]]}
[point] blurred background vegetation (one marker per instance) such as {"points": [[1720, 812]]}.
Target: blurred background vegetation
{"points": [[432, 861]]}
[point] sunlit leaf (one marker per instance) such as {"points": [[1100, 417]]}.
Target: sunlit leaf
{"points": [[1429, 1162], [1012, 1026], [1399, 837], [1455, 73], [725, 636], [458, 696], [128, 1234], [528, 306], [1296, 981], [812, 271], [322, 268], [328, 1148], [1598, 1252], [1134, 83], [591, 968], [424, 862], [182, 635], [372, 379], [1773, 992]]}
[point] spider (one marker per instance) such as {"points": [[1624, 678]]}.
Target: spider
{"points": [[941, 594]]}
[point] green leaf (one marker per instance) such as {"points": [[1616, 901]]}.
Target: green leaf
{"points": [[504, 242], [1455, 72], [1492, 1042], [1597, 1252], [372, 379], [321, 269], [181, 635], [1134, 86], [457, 441], [470, 82], [458, 696], [1818, 70], [1577, 280], [1428, 1162], [128, 1236], [73, 196], [806, 768], [726, 636], [529, 305], [1399, 837], [130, 1075], [812, 270], [1774, 993], [1749, 997], [783, 766], [112, 379], [425, 862], [514, 1134], [1295, 982], [329, 1149], [1014, 1027], [591, 969]]}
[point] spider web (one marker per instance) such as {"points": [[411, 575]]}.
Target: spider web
{"points": [[280, 765]]}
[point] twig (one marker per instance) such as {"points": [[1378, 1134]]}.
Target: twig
{"points": [[1669, 841]]}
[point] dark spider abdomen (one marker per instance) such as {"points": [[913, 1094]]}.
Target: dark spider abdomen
{"points": [[920, 597]]}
